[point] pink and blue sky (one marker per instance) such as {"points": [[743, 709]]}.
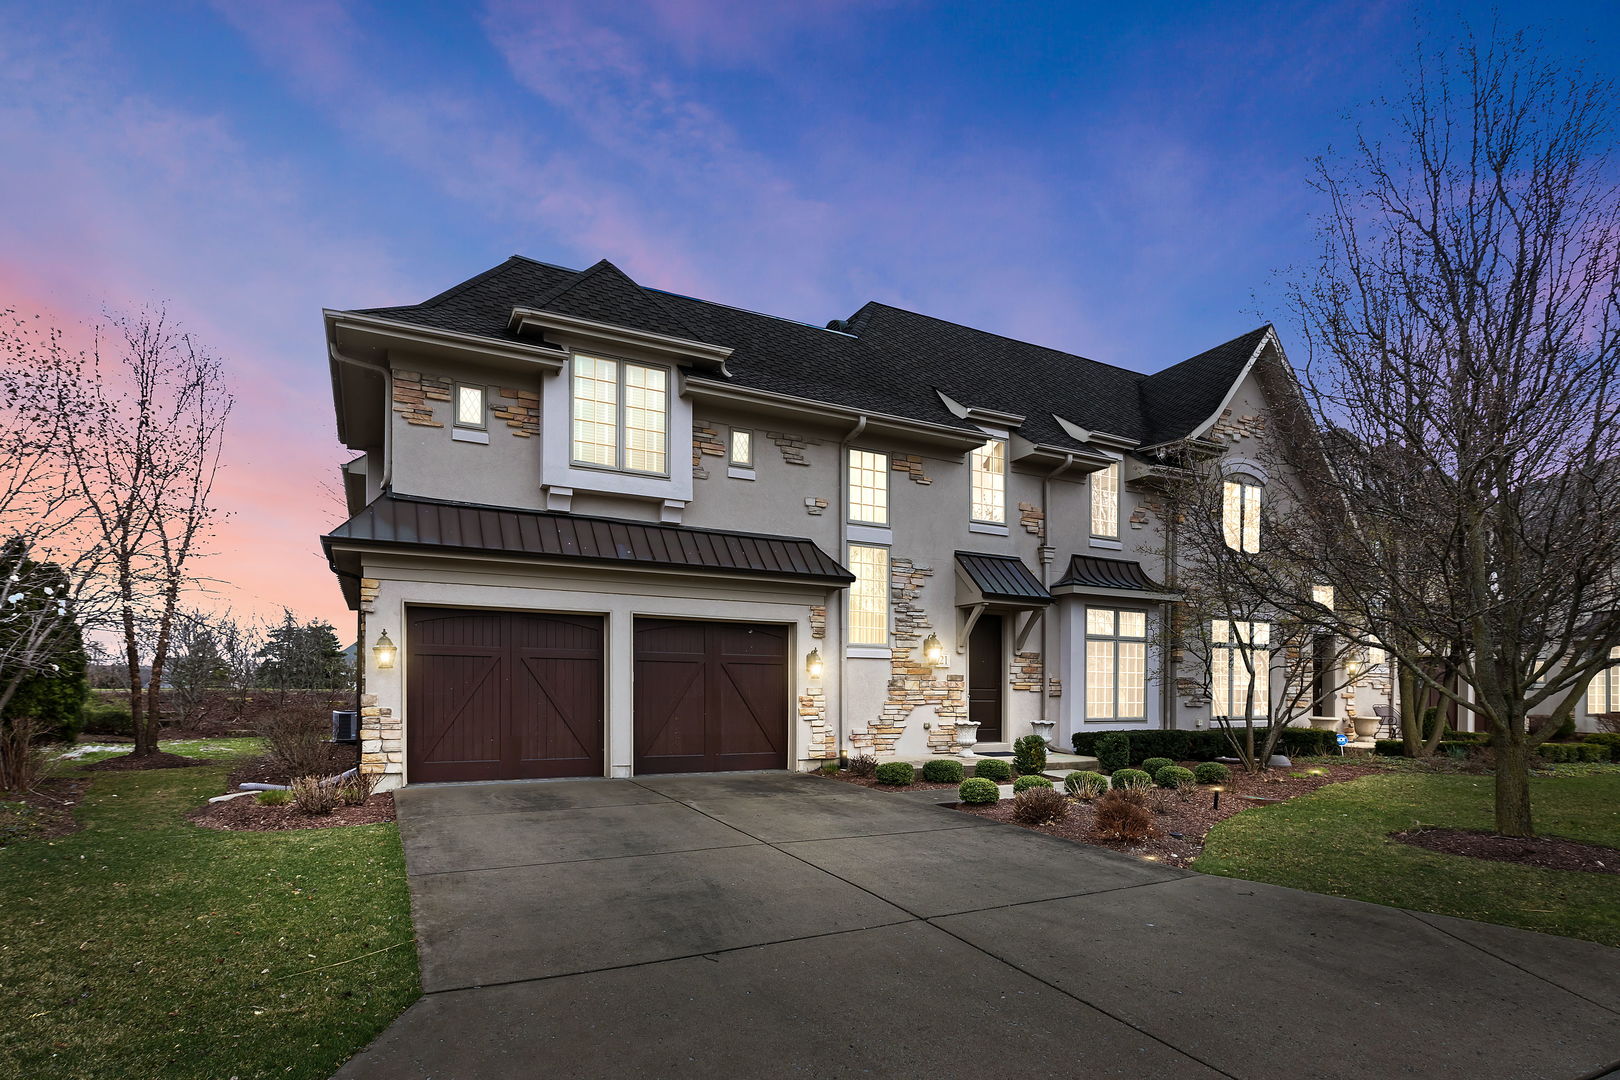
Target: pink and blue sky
{"points": [[1123, 180]]}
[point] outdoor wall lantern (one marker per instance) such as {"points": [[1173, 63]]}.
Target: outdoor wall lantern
{"points": [[933, 651], [384, 652], [813, 665]]}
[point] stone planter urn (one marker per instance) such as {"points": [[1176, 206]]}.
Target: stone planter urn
{"points": [[1367, 727], [1326, 723], [1045, 729], [967, 733]]}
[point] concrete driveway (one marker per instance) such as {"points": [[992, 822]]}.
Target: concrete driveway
{"points": [[765, 924]]}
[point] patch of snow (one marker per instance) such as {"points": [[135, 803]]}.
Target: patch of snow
{"points": [[90, 748]]}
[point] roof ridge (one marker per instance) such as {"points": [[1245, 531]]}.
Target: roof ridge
{"points": [[746, 311], [1261, 329], [604, 266], [457, 290], [1002, 337]]}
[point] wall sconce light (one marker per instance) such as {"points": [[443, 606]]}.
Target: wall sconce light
{"points": [[933, 651], [384, 652], [813, 665], [1352, 671]]}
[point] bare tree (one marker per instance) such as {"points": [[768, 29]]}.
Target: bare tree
{"points": [[1463, 345]]}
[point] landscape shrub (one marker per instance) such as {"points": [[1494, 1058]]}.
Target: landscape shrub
{"points": [[1389, 747], [1130, 778], [896, 773], [22, 765], [1122, 814], [310, 796], [1025, 783], [943, 771], [829, 768], [1112, 751], [106, 718], [1174, 776], [1581, 751], [297, 738], [863, 765], [1609, 739], [1029, 754], [357, 788], [1039, 806], [1152, 765], [1087, 785], [1206, 745], [1566, 729], [992, 769], [977, 791], [273, 798], [1211, 772]]}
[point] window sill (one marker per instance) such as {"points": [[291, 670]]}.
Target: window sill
{"points": [[987, 528], [1104, 542], [871, 534], [469, 435], [868, 652], [739, 472]]}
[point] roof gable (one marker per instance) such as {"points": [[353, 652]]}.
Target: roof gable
{"points": [[604, 293]]}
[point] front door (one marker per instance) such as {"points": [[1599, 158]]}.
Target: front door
{"points": [[987, 677]]}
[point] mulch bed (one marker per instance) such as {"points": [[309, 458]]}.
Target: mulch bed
{"points": [[1183, 818], [246, 815], [340, 757], [160, 760], [1541, 852], [50, 807], [868, 781]]}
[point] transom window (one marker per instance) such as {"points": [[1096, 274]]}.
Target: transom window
{"points": [[1105, 502], [868, 487], [1240, 513], [869, 595], [1240, 654], [469, 406], [742, 448], [621, 415], [1603, 693], [988, 468], [1116, 664]]}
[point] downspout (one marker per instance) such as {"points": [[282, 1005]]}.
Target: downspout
{"points": [[843, 553], [1167, 676], [1044, 555], [388, 419]]}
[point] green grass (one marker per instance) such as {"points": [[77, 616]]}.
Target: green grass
{"points": [[146, 946], [1335, 841], [92, 749]]}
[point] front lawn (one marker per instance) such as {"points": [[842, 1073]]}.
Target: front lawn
{"points": [[1336, 841], [146, 946]]}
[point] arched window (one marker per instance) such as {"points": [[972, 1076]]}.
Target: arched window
{"points": [[1240, 512]]}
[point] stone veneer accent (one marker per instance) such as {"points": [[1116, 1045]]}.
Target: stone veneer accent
{"points": [[1142, 515], [912, 682], [1235, 428], [792, 446], [705, 440], [911, 465], [413, 392], [1032, 518], [368, 594], [382, 749], [1026, 671], [1054, 687], [519, 410], [814, 507], [818, 620], [813, 710]]}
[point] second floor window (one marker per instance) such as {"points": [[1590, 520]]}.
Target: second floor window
{"points": [[1240, 513], [869, 595], [742, 448], [1603, 693], [621, 415], [1105, 503], [469, 406], [1240, 653], [1116, 664], [868, 487], [988, 465]]}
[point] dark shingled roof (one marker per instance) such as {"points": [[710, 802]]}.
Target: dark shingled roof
{"points": [[1094, 572], [890, 360], [1003, 577], [418, 522]]}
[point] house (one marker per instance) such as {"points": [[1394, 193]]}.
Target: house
{"points": [[598, 529]]}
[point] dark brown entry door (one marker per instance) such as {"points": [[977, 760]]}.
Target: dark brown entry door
{"points": [[987, 677], [710, 697], [502, 695]]}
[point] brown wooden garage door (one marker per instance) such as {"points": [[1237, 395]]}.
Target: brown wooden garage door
{"points": [[710, 696], [500, 695]]}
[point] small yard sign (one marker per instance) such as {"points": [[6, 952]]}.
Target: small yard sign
{"points": [[1343, 739]]}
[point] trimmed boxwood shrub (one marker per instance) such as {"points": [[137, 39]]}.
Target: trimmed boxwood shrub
{"points": [[1574, 752], [1024, 783], [978, 790], [992, 769], [896, 773], [1609, 739], [1130, 778], [941, 771], [1152, 765], [1198, 745], [1087, 785], [1112, 751], [1174, 776], [1211, 772], [1029, 754]]}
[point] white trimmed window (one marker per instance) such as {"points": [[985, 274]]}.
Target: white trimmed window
{"points": [[620, 415], [742, 448], [1603, 693], [1105, 502], [868, 487], [1239, 648], [1116, 664], [1240, 513], [987, 465], [869, 595], [470, 406]]}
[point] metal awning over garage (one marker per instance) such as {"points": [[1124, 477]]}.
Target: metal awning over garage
{"points": [[1117, 577], [404, 521]]}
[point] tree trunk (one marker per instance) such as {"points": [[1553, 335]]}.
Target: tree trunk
{"points": [[160, 652], [144, 742], [1513, 785]]}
